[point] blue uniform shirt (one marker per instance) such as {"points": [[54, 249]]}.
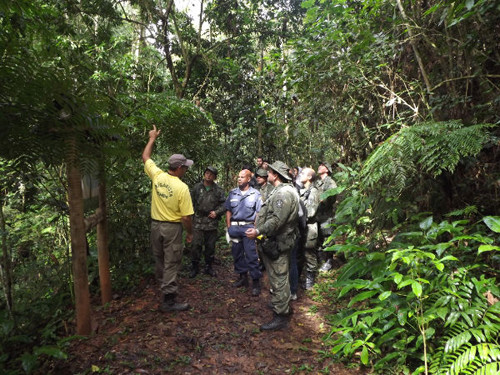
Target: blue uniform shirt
{"points": [[243, 207]]}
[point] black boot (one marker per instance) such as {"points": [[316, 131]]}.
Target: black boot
{"points": [[278, 322], [209, 270], [262, 268], [208, 267], [242, 281], [309, 280], [169, 304], [194, 270], [255, 287]]}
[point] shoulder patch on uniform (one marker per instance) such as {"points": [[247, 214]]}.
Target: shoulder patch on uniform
{"points": [[279, 203]]}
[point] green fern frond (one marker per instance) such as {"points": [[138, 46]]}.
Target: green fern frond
{"points": [[467, 349], [489, 369], [457, 341], [431, 147], [469, 359]]}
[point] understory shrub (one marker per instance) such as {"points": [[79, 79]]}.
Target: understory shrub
{"points": [[427, 302]]}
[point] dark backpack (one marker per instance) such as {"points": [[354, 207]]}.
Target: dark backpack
{"points": [[303, 217]]}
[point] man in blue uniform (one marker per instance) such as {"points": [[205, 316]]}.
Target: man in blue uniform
{"points": [[242, 205]]}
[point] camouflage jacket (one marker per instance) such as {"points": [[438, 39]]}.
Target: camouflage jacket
{"points": [[205, 201], [278, 216], [265, 190], [310, 197], [325, 209]]}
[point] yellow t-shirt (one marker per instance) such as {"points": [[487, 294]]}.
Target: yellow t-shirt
{"points": [[170, 198]]}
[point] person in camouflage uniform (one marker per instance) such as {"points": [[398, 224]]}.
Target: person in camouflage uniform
{"points": [[277, 226], [263, 186], [325, 214], [264, 189], [309, 194], [208, 202]]}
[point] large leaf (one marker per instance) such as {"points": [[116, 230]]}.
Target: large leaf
{"points": [[362, 296], [484, 248], [493, 222], [52, 351], [426, 224], [29, 362]]}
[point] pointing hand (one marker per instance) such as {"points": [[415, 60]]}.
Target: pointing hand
{"points": [[154, 133]]}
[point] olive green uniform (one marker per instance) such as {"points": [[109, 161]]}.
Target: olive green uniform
{"points": [[277, 221], [325, 209], [264, 190], [206, 199], [310, 197]]}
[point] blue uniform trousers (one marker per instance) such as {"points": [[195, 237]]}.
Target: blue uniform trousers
{"points": [[244, 252]]}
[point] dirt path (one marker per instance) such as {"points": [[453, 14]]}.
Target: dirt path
{"points": [[218, 335]]}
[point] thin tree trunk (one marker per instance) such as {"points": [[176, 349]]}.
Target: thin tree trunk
{"points": [[78, 244], [260, 129], [102, 245], [6, 264], [415, 49]]}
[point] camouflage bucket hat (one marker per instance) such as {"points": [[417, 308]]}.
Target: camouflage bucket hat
{"points": [[261, 172], [281, 168], [328, 166]]}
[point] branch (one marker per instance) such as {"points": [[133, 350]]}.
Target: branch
{"points": [[92, 220], [465, 77], [415, 50]]}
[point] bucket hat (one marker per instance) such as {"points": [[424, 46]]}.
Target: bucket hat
{"points": [[281, 168]]}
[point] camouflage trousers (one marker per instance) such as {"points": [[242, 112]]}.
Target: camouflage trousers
{"points": [[278, 273], [201, 238], [311, 259]]}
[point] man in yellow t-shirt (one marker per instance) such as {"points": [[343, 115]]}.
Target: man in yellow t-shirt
{"points": [[171, 209]]}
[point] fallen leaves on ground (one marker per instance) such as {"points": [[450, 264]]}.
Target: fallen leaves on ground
{"points": [[219, 334]]}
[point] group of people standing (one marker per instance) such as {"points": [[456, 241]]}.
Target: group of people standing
{"points": [[275, 220]]}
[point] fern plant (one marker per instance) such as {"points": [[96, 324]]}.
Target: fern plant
{"points": [[430, 147], [471, 344]]}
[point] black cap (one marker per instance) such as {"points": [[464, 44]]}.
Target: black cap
{"points": [[211, 169]]}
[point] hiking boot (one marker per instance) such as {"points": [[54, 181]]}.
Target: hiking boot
{"points": [[194, 270], [262, 268], [293, 297], [255, 287], [278, 322], [327, 266], [242, 281], [210, 271], [309, 284], [169, 304]]}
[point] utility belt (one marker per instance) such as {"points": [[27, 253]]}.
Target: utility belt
{"points": [[241, 223], [165, 222]]}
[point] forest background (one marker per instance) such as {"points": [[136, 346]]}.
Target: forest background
{"points": [[403, 97]]}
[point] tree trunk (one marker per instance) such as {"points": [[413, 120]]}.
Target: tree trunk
{"points": [[78, 245], [6, 264], [415, 49], [102, 245]]}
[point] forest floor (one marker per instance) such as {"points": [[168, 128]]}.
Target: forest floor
{"points": [[219, 334]]}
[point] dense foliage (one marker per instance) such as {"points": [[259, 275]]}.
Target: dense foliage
{"points": [[403, 96]]}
